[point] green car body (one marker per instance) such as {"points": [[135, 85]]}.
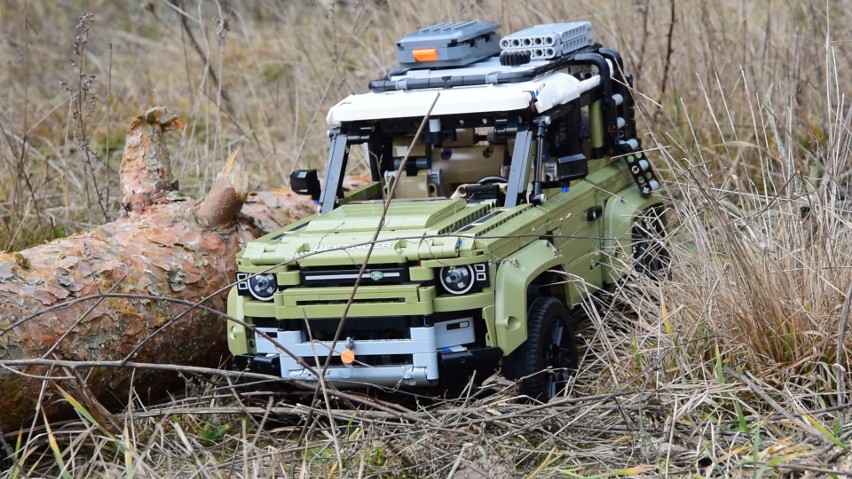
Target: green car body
{"points": [[463, 252]]}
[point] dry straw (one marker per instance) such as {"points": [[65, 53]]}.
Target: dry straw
{"points": [[736, 364]]}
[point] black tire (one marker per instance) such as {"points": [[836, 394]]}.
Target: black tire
{"points": [[255, 388], [548, 358], [650, 255]]}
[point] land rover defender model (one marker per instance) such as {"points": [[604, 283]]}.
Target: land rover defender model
{"points": [[508, 185]]}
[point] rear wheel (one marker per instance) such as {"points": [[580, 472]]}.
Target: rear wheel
{"points": [[650, 255], [548, 358]]}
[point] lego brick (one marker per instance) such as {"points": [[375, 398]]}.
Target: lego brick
{"points": [[449, 44], [551, 40]]}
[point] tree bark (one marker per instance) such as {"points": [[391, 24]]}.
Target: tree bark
{"points": [[165, 246]]}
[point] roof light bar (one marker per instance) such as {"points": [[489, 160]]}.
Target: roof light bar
{"points": [[548, 41]]}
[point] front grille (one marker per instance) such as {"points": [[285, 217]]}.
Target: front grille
{"points": [[312, 302], [346, 276], [392, 327]]}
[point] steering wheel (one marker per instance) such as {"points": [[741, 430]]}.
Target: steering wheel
{"points": [[489, 180]]}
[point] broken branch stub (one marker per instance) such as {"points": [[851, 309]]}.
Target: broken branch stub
{"points": [[145, 172], [224, 200]]}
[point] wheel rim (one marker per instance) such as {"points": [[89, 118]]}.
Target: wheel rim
{"points": [[558, 358], [649, 253]]}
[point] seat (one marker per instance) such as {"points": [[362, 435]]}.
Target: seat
{"points": [[439, 170]]}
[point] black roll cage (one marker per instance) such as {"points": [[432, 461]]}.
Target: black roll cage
{"points": [[524, 124]]}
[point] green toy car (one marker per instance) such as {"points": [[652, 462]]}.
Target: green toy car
{"points": [[525, 191]]}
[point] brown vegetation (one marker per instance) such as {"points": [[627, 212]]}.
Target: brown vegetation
{"points": [[735, 365]]}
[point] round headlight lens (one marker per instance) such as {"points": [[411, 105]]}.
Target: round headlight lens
{"points": [[263, 286], [457, 279]]}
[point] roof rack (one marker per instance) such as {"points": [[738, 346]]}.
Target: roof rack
{"points": [[458, 44], [607, 62], [494, 78]]}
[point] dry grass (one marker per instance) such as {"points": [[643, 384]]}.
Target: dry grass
{"points": [[735, 365]]}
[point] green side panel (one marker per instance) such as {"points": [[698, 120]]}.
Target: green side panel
{"points": [[445, 304], [620, 211], [513, 277], [488, 317], [237, 340], [577, 239], [514, 231], [609, 180]]}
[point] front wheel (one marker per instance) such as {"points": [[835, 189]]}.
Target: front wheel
{"points": [[548, 358]]}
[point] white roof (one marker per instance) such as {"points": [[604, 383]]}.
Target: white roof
{"points": [[548, 90]]}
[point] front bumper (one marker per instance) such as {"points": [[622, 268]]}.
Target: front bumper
{"points": [[420, 356], [418, 359]]}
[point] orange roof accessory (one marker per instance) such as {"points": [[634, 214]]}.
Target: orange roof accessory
{"points": [[425, 54]]}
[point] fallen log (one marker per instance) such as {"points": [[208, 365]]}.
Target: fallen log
{"points": [[164, 246]]}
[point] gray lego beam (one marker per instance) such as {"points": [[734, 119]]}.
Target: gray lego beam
{"points": [[520, 166], [551, 40]]}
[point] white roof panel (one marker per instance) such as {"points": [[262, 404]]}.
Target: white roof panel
{"points": [[549, 90]]}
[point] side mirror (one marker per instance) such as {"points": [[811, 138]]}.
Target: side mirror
{"points": [[572, 167], [305, 182]]}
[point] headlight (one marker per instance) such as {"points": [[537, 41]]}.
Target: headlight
{"points": [[263, 286], [464, 278], [260, 286], [457, 279]]}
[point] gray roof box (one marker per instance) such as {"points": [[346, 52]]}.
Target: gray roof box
{"points": [[449, 45]]}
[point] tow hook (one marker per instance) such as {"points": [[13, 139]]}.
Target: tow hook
{"points": [[347, 357]]}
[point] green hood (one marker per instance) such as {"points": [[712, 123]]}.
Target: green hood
{"points": [[413, 230]]}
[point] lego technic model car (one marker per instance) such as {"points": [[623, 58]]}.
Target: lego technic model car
{"points": [[508, 185]]}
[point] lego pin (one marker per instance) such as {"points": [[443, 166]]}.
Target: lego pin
{"points": [[347, 356]]}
